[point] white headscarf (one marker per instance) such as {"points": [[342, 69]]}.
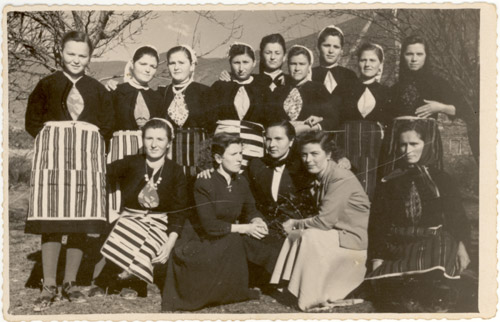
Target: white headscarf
{"points": [[127, 72], [331, 27], [239, 43], [194, 61], [381, 68], [309, 72], [166, 122]]}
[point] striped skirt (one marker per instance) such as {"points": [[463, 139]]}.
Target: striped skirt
{"points": [[425, 250], [68, 180], [135, 241], [361, 141], [187, 149], [252, 135], [123, 143]]}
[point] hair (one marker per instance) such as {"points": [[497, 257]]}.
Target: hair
{"points": [[221, 141], [145, 50], [296, 51], [370, 47], [287, 126], [270, 39], [78, 36], [419, 128], [240, 49], [157, 124], [404, 71], [177, 49], [325, 140], [330, 32]]}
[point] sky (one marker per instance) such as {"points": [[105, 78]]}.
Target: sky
{"points": [[171, 28]]}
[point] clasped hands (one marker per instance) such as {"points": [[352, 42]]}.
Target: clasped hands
{"points": [[257, 228]]}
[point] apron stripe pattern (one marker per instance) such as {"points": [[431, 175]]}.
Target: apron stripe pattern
{"points": [[68, 177], [135, 240], [123, 143], [186, 148], [252, 135]]}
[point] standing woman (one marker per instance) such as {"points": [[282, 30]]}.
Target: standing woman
{"points": [[210, 267], [184, 106], [134, 104], [336, 79], [365, 113], [69, 113], [324, 256], [238, 106], [306, 104]]}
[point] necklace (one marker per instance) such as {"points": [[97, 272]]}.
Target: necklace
{"points": [[158, 181]]}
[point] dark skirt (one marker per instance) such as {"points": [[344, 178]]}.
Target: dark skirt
{"points": [[68, 180], [187, 149], [204, 272], [361, 140]]}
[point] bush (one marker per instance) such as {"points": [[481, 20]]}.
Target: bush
{"points": [[19, 170]]}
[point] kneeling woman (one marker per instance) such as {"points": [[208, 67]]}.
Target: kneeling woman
{"points": [[210, 267], [418, 226], [324, 256], [154, 198]]}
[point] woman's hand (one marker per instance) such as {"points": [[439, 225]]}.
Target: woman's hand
{"points": [[463, 259], [433, 107], [256, 230], [111, 85], [260, 222], [205, 174], [289, 225], [313, 120], [301, 127], [225, 76], [163, 254]]}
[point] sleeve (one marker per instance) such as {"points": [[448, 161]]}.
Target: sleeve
{"points": [[106, 114], [330, 111], [204, 196], [36, 110], [117, 169], [212, 99], [339, 194], [249, 208], [179, 213]]}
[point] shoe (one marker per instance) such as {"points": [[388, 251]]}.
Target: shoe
{"points": [[128, 293], [46, 298], [70, 291], [254, 294], [96, 291]]}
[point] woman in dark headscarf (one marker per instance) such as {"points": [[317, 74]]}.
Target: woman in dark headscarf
{"points": [[418, 228]]}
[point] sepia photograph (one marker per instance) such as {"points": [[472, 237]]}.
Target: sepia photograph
{"points": [[249, 162]]}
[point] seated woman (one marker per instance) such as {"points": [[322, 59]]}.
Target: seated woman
{"points": [[324, 256], [209, 267], [306, 104], [152, 214], [418, 227]]}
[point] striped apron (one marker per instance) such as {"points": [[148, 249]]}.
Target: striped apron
{"points": [[68, 180], [252, 135], [418, 251], [187, 149], [135, 241], [361, 141], [123, 143]]}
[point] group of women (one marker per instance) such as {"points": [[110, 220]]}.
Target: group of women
{"points": [[281, 206]]}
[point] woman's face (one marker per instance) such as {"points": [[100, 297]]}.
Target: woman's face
{"points": [[273, 55], [330, 50], [314, 157], [231, 160], [144, 69], [411, 146], [369, 64], [156, 143], [415, 56], [76, 57], [298, 66], [180, 67], [242, 66], [277, 142]]}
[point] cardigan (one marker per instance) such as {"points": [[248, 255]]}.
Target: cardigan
{"points": [[47, 102]]}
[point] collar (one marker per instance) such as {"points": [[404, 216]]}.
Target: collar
{"points": [[274, 163], [302, 82], [74, 81], [135, 84], [331, 66], [178, 88], [370, 81], [224, 174], [274, 74], [245, 82]]}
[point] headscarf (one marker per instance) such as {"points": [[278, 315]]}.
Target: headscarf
{"points": [[331, 27], [311, 56], [127, 71], [166, 122]]}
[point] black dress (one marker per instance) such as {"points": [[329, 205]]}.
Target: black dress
{"points": [[208, 266], [344, 77], [315, 101], [124, 101], [47, 102]]}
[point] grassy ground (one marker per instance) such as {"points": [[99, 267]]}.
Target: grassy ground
{"points": [[24, 255]]}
